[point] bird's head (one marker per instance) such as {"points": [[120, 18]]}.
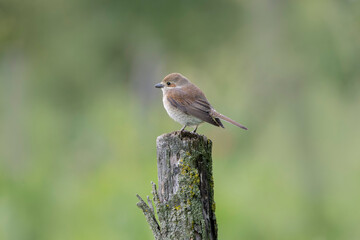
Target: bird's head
{"points": [[171, 81]]}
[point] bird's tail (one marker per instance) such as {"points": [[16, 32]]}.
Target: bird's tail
{"points": [[215, 114]]}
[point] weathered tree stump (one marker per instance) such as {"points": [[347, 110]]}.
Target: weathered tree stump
{"points": [[185, 201]]}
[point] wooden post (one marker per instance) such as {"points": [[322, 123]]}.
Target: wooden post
{"points": [[185, 201]]}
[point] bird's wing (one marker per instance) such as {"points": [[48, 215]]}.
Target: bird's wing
{"points": [[194, 104]]}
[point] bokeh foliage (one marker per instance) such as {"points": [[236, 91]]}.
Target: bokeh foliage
{"points": [[79, 114]]}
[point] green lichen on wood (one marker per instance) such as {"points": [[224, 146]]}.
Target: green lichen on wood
{"points": [[185, 200]]}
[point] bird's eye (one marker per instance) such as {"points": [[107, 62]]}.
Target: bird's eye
{"points": [[168, 83]]}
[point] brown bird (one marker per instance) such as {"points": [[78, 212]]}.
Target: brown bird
{"points": [[187, 104]]}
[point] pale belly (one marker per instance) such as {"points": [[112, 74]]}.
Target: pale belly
{"points": [[180, 116]]}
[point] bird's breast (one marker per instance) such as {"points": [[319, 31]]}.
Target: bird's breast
{"points": [[179, 116]]}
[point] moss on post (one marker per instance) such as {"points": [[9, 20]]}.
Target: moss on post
{"points": [[185, 201]]}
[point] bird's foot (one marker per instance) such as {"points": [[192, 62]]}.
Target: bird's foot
{"points": [[183, 128]]}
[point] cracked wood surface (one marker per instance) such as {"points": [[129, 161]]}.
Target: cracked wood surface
{"points": [[185, 199]]}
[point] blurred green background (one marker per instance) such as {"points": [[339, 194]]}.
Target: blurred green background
{"points": [[79, 114]]}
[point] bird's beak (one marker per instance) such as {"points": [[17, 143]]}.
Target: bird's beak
{"points": [[159, 85]]}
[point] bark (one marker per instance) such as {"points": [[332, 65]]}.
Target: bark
{"points": [[185, 201]]}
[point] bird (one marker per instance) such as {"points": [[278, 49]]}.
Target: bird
{"points": [[187, 104]]}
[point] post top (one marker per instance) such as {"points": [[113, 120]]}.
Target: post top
{"points": [[183, 135]]}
